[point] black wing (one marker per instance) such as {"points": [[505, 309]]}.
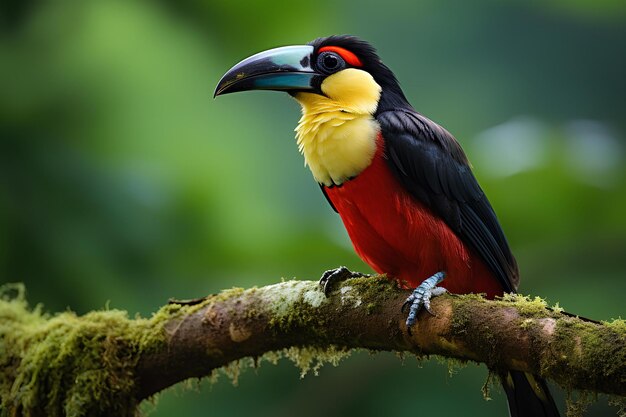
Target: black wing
{"points": [[323, 188], [431, 165]]}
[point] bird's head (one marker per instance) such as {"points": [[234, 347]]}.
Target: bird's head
{"points": [[342, 69]]}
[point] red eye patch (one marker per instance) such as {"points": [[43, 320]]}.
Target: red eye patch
{"points": [[347, 56]]}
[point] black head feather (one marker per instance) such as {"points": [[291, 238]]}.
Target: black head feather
{"points": [[392, 96]]}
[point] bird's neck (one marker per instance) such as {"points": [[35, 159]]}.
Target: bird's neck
{"points": [[337, 140]]}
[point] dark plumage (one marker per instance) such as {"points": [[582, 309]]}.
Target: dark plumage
{"points": [[431, 165], [400, 182]]}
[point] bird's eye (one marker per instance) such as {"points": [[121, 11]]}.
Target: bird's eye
{"points": [[330, 62]]}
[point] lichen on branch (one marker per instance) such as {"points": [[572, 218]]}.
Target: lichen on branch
{"points": [[105, 363], [65, 365]]}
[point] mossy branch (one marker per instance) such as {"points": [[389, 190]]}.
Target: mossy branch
{"points": [[105, 363]]}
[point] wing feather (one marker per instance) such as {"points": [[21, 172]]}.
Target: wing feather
{"points": [[433, 168]]}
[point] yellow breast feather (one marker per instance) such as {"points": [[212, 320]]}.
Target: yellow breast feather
{"points": [[337, 132]]}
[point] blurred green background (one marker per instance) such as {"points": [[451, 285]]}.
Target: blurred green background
{"points": [[123, 183]]}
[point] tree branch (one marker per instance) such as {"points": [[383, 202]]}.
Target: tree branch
{"points": [[181, 342]]}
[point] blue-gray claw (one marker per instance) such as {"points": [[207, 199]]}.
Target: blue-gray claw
{"points": [[421, 296], [333, 276]]}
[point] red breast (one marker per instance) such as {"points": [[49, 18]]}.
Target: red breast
{"points": [[398, 235]]}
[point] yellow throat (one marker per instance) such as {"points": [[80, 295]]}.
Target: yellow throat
{"points": [[337, 132]]}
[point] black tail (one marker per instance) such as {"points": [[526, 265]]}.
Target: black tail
{"points": [[528, 395]]}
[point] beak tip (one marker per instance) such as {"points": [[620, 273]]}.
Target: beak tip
{"points": [[223, 87], [218, 93]]}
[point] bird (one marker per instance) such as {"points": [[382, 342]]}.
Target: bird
{"points": [[400, 182]]}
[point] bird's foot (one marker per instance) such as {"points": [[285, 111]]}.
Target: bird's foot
{"points": [[421, 297], [332, 276]]}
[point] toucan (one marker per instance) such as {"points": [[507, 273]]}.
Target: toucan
{"points": [[401, 183]]}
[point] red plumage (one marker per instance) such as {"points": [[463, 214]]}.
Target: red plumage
{"points": [[417, 209], [397, 235]]}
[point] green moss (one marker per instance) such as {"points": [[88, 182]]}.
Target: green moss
{"points": [[526, 305], [585, 360], [371, 308], [464, 312], [577, 403], [617, 325], [299, 314], [377, 288], [65, 365], [452, 364], [227, 294], [234, 369], [582, 346], [491, 381], [482, 320], [294, 305], [307, 359], [527, 323], [557, 308], [313, 358]]}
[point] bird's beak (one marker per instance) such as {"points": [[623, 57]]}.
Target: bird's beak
{"points": [[281, 69]]}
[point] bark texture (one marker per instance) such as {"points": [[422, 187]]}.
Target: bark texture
{"points": [[514, 333], [104, 362]]}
